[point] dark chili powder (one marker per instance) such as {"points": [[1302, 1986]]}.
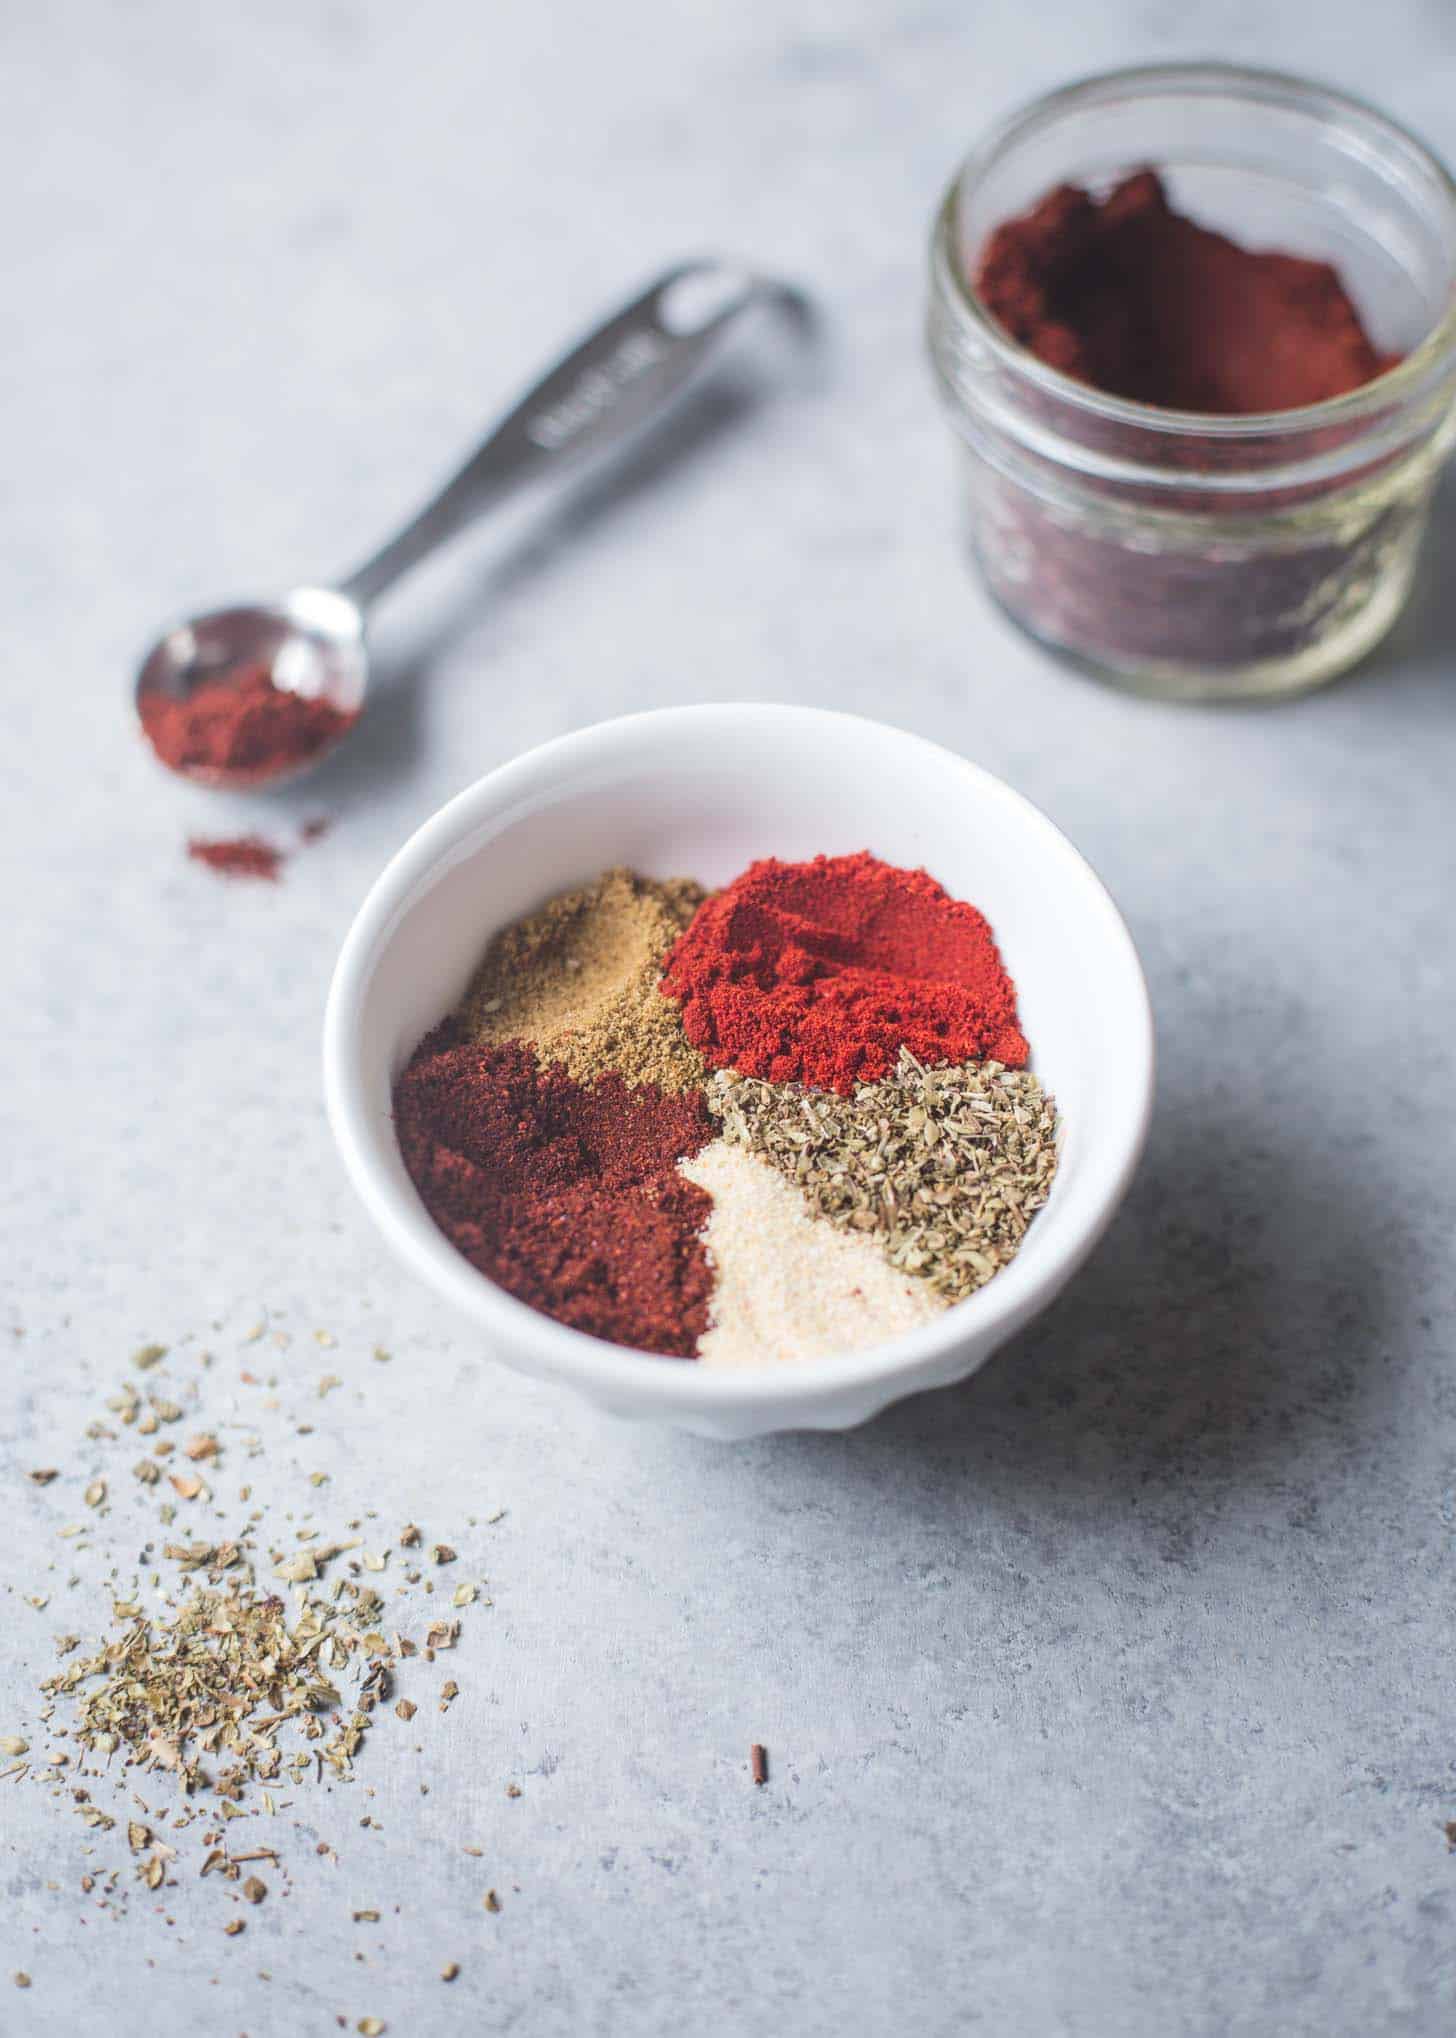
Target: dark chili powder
{"points": [[243, 723], [1128, 295], [568, 1195], [820, 972]]}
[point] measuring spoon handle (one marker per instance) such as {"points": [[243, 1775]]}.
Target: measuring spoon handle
{"points": [[597, 398]]}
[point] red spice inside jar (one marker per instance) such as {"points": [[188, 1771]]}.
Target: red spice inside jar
{"points": [[241, 723], [1126, 294]]}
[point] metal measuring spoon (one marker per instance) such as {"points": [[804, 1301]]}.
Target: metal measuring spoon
{"points": [[312, 642]]}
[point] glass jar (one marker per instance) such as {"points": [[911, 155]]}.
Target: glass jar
{"points": [[1207, 556]]}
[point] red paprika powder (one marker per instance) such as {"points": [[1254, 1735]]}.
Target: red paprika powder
{"points": [[242, 723], [567, 1195], [1128, 295], [820, 972]]}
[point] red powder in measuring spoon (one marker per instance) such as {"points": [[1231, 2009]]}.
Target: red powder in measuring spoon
{"points": [[243, 723], [1128, 295]]}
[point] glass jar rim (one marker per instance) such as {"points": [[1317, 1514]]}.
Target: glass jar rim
{"points": [[1421, 370]]}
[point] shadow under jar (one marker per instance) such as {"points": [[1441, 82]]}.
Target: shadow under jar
{"points": [[1193, 556]]}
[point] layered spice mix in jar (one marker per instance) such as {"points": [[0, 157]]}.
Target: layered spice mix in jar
{"points": [[1196, 330]]}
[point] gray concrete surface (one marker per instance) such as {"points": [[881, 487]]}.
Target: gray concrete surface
{"points": [[1110, 1694]]}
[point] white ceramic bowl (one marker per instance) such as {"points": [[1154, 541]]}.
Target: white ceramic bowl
{"points": [[701, 792]]}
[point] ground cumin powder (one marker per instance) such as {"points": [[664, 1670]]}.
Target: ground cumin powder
{"points": [[579, 979]]}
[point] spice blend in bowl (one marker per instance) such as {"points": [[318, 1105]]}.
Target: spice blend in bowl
{"points": [[861, 1158], [704, 792]]}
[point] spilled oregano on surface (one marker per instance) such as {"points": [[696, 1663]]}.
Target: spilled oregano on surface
{"points": [[240, 1671], [210, 1688]]}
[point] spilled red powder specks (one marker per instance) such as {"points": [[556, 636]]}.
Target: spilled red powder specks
{"points": [[240, 856], [251, 855], [568, 1195], [820, 972]]}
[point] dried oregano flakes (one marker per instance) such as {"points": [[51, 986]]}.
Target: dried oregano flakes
{"points": [[948, 1166]]}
